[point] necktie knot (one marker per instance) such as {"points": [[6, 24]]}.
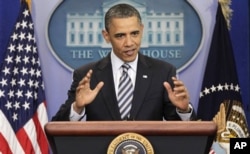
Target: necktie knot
{"points": [[125, 67]]}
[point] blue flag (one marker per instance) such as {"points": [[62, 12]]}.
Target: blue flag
{"points": [[220, 96]]}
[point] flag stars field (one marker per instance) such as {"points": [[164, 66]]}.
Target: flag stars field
{"points": [[219, 88]]}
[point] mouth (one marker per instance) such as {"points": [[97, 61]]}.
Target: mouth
{"points": [[130, 52]]}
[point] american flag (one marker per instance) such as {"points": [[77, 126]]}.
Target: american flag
{"points": [[23, 111]]}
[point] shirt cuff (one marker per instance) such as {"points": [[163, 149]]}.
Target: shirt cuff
{"points": [[74, 116], [185, 116]]}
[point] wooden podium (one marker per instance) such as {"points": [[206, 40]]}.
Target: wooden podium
{"points": [[166, 137]]}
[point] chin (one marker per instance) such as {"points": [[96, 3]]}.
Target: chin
{"points": [[129, 59]]}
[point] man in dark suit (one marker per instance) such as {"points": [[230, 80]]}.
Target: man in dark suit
{"points": [[156, 93]]}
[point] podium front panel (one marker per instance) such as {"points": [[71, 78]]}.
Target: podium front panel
{"points": [[161, 144], [165, 137]]}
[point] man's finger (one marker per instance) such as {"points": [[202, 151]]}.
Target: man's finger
{"points": [[99, 87], [168, 87]]}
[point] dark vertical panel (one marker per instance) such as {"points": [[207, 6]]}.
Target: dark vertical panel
{"points": [[240, 40]]}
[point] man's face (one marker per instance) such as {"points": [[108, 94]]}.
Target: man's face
{"points": [[125, 36]]}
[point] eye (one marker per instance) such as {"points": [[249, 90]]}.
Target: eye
{"points": [[119, 35], [135, 33]]}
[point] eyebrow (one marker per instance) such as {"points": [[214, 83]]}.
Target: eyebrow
{"points": [[119, 34], [136, 31]]}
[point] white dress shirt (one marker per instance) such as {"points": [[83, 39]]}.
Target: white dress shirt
{"points": [[117, 70]]}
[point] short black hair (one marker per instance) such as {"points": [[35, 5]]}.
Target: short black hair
{"points": [[120, 11]]}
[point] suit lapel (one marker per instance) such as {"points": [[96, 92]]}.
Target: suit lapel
{"points": [[143, 79], [104, 73]]}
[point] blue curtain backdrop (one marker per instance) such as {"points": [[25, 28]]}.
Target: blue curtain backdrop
{"points": [[240, 39], [239, 35], [8, 14]]}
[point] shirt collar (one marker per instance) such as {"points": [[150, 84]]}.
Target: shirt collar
{"points": [[117, 62]]}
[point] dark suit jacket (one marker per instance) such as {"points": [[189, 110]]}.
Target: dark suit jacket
{"points": [[150, 101]]}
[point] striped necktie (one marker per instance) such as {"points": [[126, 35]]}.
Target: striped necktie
{"points": [[125, 93]]}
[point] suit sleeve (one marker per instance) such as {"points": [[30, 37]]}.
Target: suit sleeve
{"points": [[170, 110], [64, 110]]}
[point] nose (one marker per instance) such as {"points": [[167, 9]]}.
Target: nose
{"points": [[129, 41]]}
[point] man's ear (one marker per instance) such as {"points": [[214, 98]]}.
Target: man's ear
{"points": [[142, 27], [105, 36]]}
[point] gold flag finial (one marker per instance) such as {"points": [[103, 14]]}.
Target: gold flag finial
{"points": [[29, 4], [227, 11]]}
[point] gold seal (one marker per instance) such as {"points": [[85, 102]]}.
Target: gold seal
{"points": [[130, 143]]}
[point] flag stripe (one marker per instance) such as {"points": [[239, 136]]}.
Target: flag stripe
{"points": [[9, 136], [4, 148], [42, 114], [40, 121], [25, 141], [33, 134]]}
